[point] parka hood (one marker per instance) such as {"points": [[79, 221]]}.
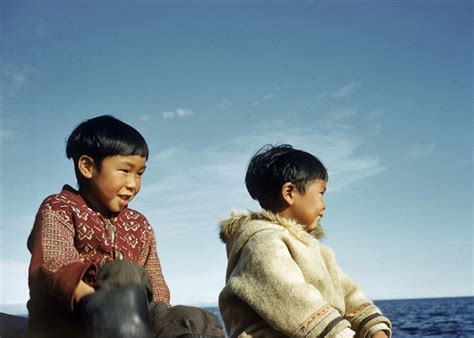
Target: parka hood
{"points": [[239, 218], [236, 230]]}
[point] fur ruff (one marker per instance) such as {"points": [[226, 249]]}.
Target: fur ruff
{"points": [[239, 218]]}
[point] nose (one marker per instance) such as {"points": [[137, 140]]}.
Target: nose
{"points": [[131, 183]]}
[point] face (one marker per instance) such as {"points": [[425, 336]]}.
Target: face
{"points": [[308, 208], [117, 181]]}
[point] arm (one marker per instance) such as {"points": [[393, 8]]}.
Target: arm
{"points": [[150, 261], [366, 319], [267, 279], [55, 263]]}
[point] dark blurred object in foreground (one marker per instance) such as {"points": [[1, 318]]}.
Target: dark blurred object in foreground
{"points": [[12, 326]]}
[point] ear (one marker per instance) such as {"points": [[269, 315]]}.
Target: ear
{"points": [[86, 166], [288, 191]]}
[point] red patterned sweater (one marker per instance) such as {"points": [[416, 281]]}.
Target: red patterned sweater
{"points": [[70, 241]]}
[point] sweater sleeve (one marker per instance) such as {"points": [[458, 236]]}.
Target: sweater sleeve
{"points": [[55, 265], [268, 279], [150, 261], [364, 316]]}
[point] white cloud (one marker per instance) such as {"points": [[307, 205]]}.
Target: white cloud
{"points": [[180, 112], [342, 92], [420, 150], [374, 122], [376, 115], [144, 118], [9, 127], [195, 187], [13, 78], [341, 115], [263, 99], [5, 133], [223, 104], [177, 113], [183, 112], [168, 114]]}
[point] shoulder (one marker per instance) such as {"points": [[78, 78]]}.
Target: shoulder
{"points": [[67, 199], [261, 235], [62, 209]]}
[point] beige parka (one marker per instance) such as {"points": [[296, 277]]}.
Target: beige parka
{"points": [[281, 281]]}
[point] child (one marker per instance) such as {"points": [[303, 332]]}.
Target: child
{"points": [[94, 264], [281, 281]]}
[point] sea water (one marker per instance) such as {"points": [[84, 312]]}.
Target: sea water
{"points": [[432, 317]]}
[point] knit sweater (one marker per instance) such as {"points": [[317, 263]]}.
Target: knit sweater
{"points": [[281, 281], [69, 242]]}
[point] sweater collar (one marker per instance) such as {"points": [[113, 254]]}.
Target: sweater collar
{"points": [[76, 196]]}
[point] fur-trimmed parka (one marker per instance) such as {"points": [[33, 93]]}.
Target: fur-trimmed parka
{"points": [[281, 281]]}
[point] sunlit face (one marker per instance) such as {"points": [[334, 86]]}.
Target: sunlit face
{"points": [[116, 183], [308, 208]]}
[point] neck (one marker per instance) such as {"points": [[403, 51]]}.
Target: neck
{"points": [[93, 203], [286, 213]]}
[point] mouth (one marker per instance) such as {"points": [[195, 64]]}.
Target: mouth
{"points": [[125, 198]]}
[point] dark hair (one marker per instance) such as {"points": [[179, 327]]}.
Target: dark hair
{"points": [[104, 136], [273, 166]]}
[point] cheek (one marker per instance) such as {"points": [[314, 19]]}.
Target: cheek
{"points": [[116, 181]]}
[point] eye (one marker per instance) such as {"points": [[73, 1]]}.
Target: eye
{"points": [[140, 174], [124, 170]]}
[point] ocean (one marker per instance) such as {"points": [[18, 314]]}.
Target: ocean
{"points": [[431, 317]]}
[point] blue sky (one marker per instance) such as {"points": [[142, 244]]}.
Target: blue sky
{"points": [[380, 91]]}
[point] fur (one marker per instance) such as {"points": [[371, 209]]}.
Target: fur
{"points": [[230, 226]]}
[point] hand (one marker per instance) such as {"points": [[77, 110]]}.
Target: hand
{"points": [[82, 290], [380, 334]]}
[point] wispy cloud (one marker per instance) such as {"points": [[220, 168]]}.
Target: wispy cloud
{"points": [[420, 150], [191, 188], [14, 77], [263, 99], [375, 124], [341, 92], [10, 123], [223, 104], [213, 175], [145, 118], [5, 132], [177, 113], [180, 112], [341, 115], [267, 96], [375, 115]]}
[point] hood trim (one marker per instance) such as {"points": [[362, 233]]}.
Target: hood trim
{"points": [[238, 218]]}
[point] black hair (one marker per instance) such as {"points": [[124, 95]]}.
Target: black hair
{"points": [[272, 166], [104, 136]]}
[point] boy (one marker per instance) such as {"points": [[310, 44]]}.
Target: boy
{"points": [[94, 264], [77, 232], [280, 280]]}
